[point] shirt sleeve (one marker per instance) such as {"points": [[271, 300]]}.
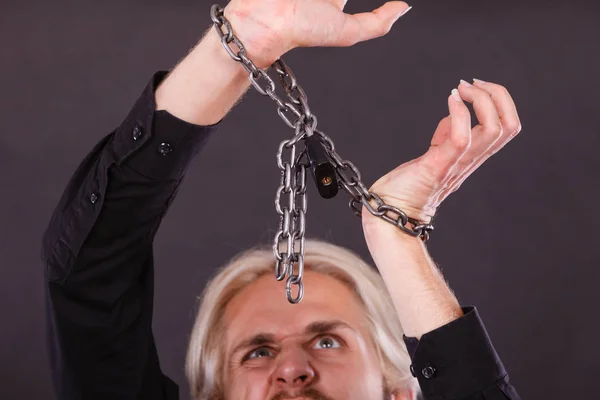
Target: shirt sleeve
{"points": [[458, 361], [98, 257]]}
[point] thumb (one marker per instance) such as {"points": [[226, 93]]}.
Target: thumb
{"points": [[369, 25]]}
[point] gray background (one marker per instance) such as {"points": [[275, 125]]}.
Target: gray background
{"points": [[518, 240]]}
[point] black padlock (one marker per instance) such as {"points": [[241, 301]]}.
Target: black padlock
{"points": [[322, 169]]}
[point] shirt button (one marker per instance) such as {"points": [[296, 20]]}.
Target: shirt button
{"points": [[137, 132], [164, 149], [428, 372], [93, 198]]}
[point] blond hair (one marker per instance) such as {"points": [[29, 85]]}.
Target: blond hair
{"points": [[204, 357]]}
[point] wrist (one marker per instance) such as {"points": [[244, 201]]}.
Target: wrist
{"points": [[391, 248], [376, 226], [210, 49], [262, 44]]}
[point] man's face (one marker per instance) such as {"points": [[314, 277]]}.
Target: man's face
{"points": [[319, 349]]}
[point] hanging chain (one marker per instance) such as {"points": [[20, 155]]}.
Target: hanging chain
{"points": [[292, 223], [296, 114]]}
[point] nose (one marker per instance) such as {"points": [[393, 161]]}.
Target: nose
{"points": [[293, 370]]}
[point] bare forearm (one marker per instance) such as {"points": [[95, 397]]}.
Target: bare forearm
{"points": [[208, 82], [205, 85], [422, 298]]}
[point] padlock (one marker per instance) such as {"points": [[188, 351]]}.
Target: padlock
{"points": [[323, 171]]}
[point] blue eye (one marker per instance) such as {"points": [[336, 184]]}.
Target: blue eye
{"points": [[327, 342], [259, 353]]}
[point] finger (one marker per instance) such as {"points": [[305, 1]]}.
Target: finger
{"points": [[507, 110], [484, 135], [441, 159], [369, 25], [511, 126], [490, 128]]}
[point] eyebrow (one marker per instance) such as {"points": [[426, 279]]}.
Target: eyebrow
{"points": [[317, 327]]}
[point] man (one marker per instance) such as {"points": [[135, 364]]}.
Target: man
{"points": [[341, 341]]}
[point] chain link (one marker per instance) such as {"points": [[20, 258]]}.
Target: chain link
{"points": [[291, 199], [350, 181]]}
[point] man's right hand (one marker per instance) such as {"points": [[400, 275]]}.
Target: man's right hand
{"points": [[270, 28], [208, 83]]}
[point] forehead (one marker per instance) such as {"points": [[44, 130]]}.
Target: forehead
{"points": [[262, 307]]}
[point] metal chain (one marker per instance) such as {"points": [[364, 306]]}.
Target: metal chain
{"points": [[350, 180], [292, 225], [297, 115]]}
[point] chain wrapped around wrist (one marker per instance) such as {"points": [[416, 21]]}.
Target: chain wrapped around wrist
{"points": [[329, 170]]}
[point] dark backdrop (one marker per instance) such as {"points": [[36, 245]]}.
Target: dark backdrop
{"points": [[519, 239]]}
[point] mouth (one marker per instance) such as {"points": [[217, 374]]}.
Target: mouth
{"points": [[296, 398], [308, 394]]}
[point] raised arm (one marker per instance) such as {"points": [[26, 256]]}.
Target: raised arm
{"points": [[97, 249], [452, 354]]}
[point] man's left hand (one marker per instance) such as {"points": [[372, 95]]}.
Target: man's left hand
{"points": [[418, 187]]}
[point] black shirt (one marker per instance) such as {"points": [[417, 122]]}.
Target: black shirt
{"points": [[98, 258]]}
